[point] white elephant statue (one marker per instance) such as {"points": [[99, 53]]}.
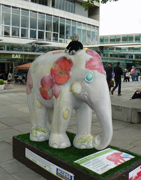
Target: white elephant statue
{"points": [[57, 83]]}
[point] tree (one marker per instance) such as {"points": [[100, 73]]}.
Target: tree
{"points": [[91, 3]]}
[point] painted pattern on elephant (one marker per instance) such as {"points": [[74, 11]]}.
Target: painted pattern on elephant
{"points": [[57, 83]]}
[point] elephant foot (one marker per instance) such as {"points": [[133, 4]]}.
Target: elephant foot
{"points": [[39, 134], [83, 142], [59, 141]]}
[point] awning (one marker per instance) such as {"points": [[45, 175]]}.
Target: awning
{"points": [[24, 66]]}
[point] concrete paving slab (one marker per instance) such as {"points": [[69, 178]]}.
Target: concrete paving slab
{"points": [[5, 176], [3, 126], [7, 134], [5, 152], [13, 166], [29, 175], [25, 118], [12, 121], [24, 128]]}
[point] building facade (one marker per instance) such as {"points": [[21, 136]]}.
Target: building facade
{"points": [[31, 27], [123, 48]]}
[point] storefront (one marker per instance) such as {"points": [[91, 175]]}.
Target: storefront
{"points": [[9, 62]]}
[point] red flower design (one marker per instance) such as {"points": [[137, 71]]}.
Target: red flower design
{"points": [[49, 88], [61, 70], [94, 63]]}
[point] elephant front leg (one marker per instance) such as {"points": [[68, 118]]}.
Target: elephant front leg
{"points": [[58, 137], [38, 116], [83, 138]]}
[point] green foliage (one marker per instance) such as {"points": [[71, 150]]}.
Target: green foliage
{"points": [[89, 3], [1, 82]]}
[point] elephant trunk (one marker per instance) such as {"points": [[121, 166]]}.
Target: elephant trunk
{"points": [[103, 112]]}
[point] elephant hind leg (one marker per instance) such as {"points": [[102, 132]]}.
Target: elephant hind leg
{"points": [[38, 116]]}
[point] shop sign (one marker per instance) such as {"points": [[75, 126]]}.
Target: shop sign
{"points": [[16, 56]]}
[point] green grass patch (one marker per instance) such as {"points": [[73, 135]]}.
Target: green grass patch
{"points": [[72, 154]]}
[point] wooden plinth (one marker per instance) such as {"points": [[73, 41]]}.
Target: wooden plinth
{"points": [[79, 174]]}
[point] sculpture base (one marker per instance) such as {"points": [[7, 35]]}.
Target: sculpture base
{"points": [[33, 157]]}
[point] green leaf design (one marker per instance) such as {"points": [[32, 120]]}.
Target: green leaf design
{"points": [[84, 139], [37, 128]]}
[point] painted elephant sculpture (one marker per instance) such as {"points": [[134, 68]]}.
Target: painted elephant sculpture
{"points": [[57, 83]]}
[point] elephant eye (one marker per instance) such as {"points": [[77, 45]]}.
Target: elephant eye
{"points": [[89, 77]]}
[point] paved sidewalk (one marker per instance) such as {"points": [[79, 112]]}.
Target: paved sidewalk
{"points": [[14, 120]]}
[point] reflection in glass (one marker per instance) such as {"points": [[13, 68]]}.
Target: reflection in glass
{"points": [[40, 34], [48, 36], [15, 31], [73, 27], [55, 24], [24, 18], [62, 30], [137, 38], [48, 23], [5, 15], [33, 20], [6, 30], [41, 21], [24, 33], [32, 34], [68, 29], [15, 17], [55, 37]]}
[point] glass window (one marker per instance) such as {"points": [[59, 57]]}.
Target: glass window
{"points": [[15, 31], [24, 32], [5, 15], [83, 34], [93, 37], [48, 23], [6, 30], [15, 17], [101, 40], [55, 24], [88, 34], [112, 39], [124, 39], [130, 38], [55, 37], [33, 20], [79, 27], [32, 34], [105, 40], [117, 39], [68, 29], [137, 38], [48, 36], [41, 21], [40, 34], [73, 27], [24, 18], [62, 30]]}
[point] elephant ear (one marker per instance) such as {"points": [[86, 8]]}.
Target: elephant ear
{"points": [[61, 70], [94, 63]]}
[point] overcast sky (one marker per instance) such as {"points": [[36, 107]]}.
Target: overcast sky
{"points": [[120, 17]]}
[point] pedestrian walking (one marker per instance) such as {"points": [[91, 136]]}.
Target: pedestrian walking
{"points": [[132, 73], [137, 73], [118, 72], [108, 70], [127, 78]]}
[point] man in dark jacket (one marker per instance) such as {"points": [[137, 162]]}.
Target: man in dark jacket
{"points": [[108, 70], [118, 72]]}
